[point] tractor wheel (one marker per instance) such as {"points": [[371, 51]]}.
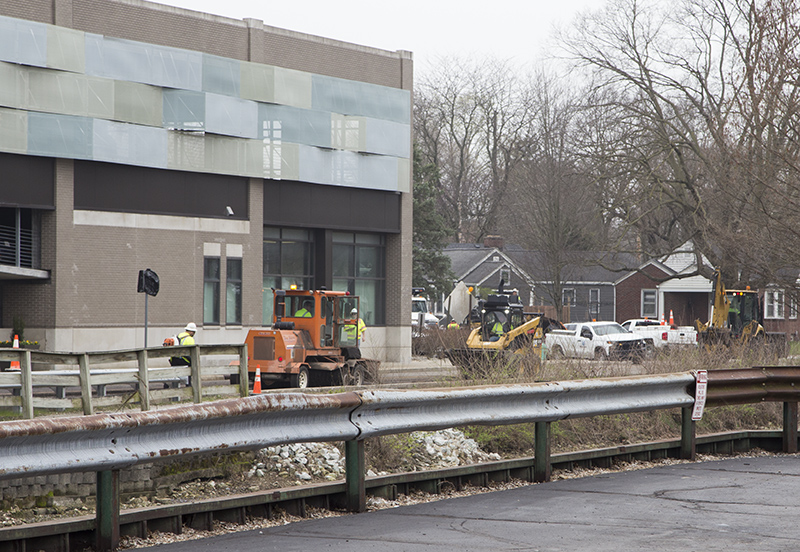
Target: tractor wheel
{"points": [[359, 375], [300, 379]]}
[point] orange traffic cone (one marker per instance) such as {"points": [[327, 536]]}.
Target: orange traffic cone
{"points": [[257, 382], [662, 319], [671, 319], [15, 363]]}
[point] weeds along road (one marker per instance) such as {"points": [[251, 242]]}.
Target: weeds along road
{"points": [[424, 369]]}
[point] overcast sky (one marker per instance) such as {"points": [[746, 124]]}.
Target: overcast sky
{"points": [[431, 29]]}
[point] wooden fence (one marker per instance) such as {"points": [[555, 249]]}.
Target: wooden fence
{"points": [[82, 381]]}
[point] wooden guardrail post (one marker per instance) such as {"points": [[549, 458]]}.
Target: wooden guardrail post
{"points": [[144, 381], [197, 385], [86, 384], [355, 472], [790, 426], [107, 517], [26, 385], [687, 434], [541, 459], [244, 377]]}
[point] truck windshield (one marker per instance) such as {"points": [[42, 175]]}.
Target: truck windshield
{"points": [[419, 305], [608, 329]]}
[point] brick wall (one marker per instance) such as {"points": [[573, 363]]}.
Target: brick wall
{"points": [[629, 292]]}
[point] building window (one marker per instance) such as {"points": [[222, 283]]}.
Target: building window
{"points": [[649, 307], [792, 306], [233, 288], [288, 261], [568, 297], [505, 275], [773, 303], [211, 283], [20, 237], [359, 267], [594, 303]]}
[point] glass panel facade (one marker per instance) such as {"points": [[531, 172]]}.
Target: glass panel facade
{"points": [[233, 296], [221, 75], [129, 144], [211, 283], [289, 124], [359, 267], [358, 98]]}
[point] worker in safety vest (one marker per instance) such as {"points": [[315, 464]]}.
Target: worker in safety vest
{"points": [[306, 311], [185, 339], [453, 325], [496, 330], [354, 332]]}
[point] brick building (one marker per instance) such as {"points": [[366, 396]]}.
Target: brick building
{"points": [[228, 156]]}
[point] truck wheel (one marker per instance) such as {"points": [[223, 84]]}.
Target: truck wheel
{"points": [[649, 349], [600, 354], [300, 379], [359, 375], [556, 352]]}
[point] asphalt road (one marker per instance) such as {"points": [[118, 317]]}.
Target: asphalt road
{"points": [[750, 504]]}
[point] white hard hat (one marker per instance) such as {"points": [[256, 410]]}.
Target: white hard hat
{"points": [[354, 311], [190, 327]]}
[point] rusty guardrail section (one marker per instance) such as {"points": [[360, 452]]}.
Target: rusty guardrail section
{"points": [[753, 385], [113, 441]]}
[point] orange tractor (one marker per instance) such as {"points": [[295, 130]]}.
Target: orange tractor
{"points": [[313, 341]]}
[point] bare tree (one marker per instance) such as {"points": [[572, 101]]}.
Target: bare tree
{"points": [[555, 212], [694, 115], [472, 121]]}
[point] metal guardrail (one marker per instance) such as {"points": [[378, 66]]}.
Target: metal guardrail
{"points": [[107, 442], [387, 412], [89, 380]]}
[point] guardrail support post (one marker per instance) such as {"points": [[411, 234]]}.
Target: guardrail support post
{"points": [[790, 426], [107, 521], [144, 380], [244, 376], [687, 434], [26, 385], [86, 384], [355, 470], [541, 459], [197, 385]]}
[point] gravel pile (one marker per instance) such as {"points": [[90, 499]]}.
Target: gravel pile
{"points": [[314, 461]]}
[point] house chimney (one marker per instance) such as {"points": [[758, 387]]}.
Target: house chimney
{"points": [[494, 241]]}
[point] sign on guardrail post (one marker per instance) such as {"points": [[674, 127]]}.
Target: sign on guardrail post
{"points": [[700, 394]]}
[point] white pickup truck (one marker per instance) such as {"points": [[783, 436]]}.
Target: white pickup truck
{"points": [[597, 340], [659, 336]]}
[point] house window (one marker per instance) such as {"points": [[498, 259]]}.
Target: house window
{"points": [[211, 281], [358, 267], [568, 297], [288, 260], [649, 307], [792, 307], [505, 275], [594, 303], [233, 288], [773, 303]]}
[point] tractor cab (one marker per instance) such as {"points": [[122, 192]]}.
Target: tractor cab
{"points": [[327, 316], [744, 312], [499, 315]]}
